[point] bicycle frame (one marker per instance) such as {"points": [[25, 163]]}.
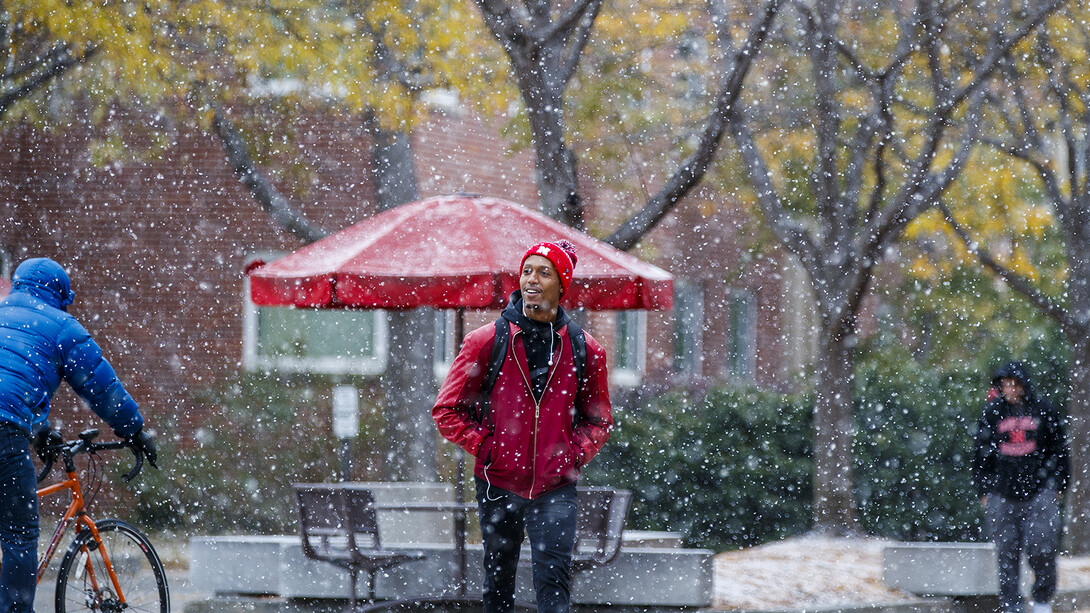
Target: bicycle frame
{"points": [[76, 515]]}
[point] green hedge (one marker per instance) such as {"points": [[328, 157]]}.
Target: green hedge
{"points": [[732, 468], [912, 454], [726, 468]]}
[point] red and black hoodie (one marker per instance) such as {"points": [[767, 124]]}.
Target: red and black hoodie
{"points": [[1020, 448]]}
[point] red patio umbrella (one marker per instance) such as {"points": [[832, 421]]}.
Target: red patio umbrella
{"points": [[451, 252]]}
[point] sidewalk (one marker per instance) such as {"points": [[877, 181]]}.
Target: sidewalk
{"points": [[810, 573]]}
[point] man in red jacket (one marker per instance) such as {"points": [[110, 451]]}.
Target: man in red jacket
{"points": [[542, 426]]}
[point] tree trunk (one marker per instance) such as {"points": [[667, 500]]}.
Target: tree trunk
{"points": [[1076, 227], [393, 167], [1078, 437], [557, 182], [408, 383], [834, 494], [409, 386]]}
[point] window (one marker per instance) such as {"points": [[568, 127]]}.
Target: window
{"points": [[628, 362], [688, 327], [742, 348], [5, 272], [800, 319], [313, 340], [692, 51], [444, 342]]}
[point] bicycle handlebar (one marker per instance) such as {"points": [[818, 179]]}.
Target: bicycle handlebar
{"points": [[85, 444]]}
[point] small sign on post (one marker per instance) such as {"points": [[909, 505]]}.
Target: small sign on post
{"points": [[346, 423]]}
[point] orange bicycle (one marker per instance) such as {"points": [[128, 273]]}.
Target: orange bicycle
{"points": [[110, 566]]}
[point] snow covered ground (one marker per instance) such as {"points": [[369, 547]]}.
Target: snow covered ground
{"points": [[815, 571]]}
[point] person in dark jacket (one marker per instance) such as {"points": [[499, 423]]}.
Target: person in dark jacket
{"points": [[40, 343], [1021, 469], [528, 448]]}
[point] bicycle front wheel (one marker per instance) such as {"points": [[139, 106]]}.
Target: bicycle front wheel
{"points": [[84, 582]]}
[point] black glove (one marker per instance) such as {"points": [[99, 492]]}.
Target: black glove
{"points": [[143, 443], [45, 438]]}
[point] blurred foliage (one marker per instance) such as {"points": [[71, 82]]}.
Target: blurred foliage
{"points": [[726, 468], [645, 87], [914, 448], [164, 64], [266, 432], [1006, 213], [1011, 197], [964, 319]]}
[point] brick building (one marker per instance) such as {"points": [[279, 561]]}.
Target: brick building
{"points": [[157, 248]]}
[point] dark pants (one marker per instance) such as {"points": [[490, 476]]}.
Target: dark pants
{"points": [[18, 523], [1031, 527], [549, 521]]}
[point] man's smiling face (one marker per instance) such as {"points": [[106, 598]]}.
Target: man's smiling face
{"points": [[540, 285]]}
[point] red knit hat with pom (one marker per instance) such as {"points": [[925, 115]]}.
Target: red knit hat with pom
{"points": [[561, 254]]}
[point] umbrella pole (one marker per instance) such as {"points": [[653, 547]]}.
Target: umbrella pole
{"points": [[459, 480], [459, 335]]}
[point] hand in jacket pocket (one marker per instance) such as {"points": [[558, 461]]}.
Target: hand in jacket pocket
{"points": [[484, 450]]}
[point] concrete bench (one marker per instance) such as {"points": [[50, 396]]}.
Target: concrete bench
{"points": [[943, 569], [274, 566]]}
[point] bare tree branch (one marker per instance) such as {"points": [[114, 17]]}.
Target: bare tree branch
{"points": [[506, 25], [1047, 175], [1030, 134], [910, 190], [837, 219], [883, 93], [572, 16], [696, 165], [866, 74], [579, 40], [933, 26], [996, 55], [1015, 280], [59, 52], [859, 152], [35, 83], [387, 62], [263, 191], [791, 233]]}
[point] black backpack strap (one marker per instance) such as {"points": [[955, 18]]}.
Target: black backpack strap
{"points": [[579, 351], [501, 339], [579, 355]]}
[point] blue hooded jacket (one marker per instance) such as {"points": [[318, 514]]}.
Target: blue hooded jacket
{"points": [[40, 343]]}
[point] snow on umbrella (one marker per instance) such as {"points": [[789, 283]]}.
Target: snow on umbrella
{"points": [[451, 252]]}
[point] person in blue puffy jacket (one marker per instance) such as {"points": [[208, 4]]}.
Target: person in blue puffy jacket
{"points": [[40, 344]]}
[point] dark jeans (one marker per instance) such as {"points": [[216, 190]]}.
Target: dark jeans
{"points": [[550, 523], [1031, 527], [18, 523]]}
